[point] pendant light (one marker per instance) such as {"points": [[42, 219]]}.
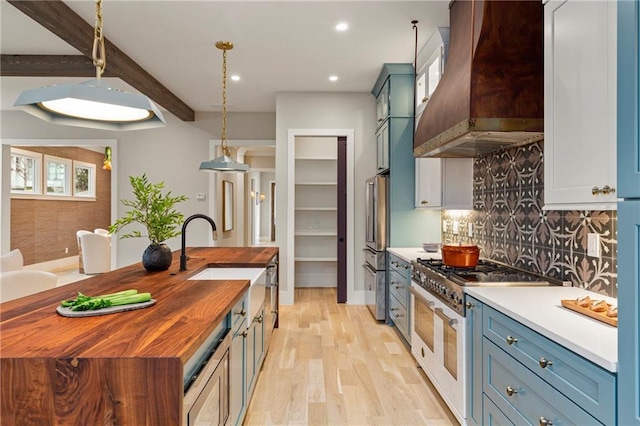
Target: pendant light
{"points": [[224, 163], [93, 103]]}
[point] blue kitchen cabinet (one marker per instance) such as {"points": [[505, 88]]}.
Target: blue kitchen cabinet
{"points": [[474, 362], [399, 283], [628, 212], [394, 92], [518, 376], [237, 363]]}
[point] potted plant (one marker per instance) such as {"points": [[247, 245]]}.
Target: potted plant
{"points": [[156, 212]]}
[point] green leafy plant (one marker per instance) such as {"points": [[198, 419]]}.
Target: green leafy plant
{"points": [[151, 208]]}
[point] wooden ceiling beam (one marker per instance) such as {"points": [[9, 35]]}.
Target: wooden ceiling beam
{"points": [[61, 20], [48, 66]]}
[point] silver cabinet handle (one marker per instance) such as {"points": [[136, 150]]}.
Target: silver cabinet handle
{"points": [[511, 340], [545, 362], [511, 391], [545, 422]]}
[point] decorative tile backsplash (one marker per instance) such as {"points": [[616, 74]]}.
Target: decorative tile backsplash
{"points": [[510, 226]]}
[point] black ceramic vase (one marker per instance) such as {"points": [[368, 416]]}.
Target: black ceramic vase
{"points": [[157, 257]]}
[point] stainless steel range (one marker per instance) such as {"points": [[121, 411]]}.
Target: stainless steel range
{"points": [[447, 283], [438, 319]]}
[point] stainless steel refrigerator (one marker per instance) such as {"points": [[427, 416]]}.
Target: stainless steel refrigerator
{"points": [[376, 245]]}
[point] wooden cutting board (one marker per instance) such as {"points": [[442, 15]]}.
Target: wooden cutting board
{"points": [[600, 316], [67, 312]]}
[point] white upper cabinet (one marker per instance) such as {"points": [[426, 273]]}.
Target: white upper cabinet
{"points": [[430, 64], [444, 183], [580, 104]]}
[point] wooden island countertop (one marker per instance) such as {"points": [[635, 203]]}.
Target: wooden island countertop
{"points": [[122, 368]]}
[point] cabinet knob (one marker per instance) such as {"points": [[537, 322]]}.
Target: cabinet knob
{"points": [[424, 202], [406, 266], [244, 333], [379, 120], [605, 190], [545, 422], [397, 287], [425, 99], [242, 313], [469, 305], [258, 319], [511, 340], [545, 362], [511, 391]]}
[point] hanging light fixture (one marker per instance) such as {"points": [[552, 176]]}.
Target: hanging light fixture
{"points": [[224, 163], [92, 104]]}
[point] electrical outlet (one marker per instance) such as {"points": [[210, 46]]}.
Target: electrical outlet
{"points": [[470, 229], [593, 245], [456, 225], [200, 196], [66, 250]]}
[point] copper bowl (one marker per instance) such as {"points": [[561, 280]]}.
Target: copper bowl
{"points": [[460, 256]]}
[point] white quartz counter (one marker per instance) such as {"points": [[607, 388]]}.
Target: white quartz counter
{"points": [[539, 308], [412, 253]]}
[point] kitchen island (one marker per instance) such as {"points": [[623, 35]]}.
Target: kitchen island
{"points": [[124, 368]]}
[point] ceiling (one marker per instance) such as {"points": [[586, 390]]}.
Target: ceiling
{"points": [[280, 46]]}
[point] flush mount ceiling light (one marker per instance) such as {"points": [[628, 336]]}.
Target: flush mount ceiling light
{"points": [[224, 163], [333, 78], [93, 103], [342, 26]]}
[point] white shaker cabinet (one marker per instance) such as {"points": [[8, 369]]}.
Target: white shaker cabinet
{"points": [[580, 104], [444, 183]]}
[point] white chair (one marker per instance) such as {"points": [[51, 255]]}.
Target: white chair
{"points": [[80, 263], [17, 282], [96, 253], [101, 231]]}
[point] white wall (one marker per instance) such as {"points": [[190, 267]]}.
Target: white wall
{"points": [[171, 154], [314, 110]]}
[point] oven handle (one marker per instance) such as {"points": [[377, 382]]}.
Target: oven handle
{"points": [[451, 321], [429, 303]]}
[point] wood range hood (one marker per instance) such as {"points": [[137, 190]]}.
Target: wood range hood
{"points": [[490, 96]]}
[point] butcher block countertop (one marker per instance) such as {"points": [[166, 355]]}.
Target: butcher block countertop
{"points": [[122, 368]]}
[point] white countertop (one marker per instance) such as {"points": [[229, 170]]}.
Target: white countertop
{"points": [[539, 308], [412, 253]]}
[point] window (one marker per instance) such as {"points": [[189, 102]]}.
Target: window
{"points": [[84, 179], [25, 171], [57, 175]]}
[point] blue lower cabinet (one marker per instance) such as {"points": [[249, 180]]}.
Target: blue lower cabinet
{"points": [[400, 316], [519, 376], [474, 361], [513, 387]]}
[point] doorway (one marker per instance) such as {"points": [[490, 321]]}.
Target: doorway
{"points": [[320, 213]]}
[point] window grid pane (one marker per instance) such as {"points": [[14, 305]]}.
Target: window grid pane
{"points": [[22, 173], [56, 178]]}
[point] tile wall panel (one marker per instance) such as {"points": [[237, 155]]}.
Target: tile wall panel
{"points": [[510, 225]]}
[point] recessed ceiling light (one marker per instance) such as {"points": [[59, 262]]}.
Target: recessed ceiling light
{"points": [[342, 26], [235, 77], [333, 78]]}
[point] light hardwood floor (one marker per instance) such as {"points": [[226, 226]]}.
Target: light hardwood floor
{"points": [[333, 364]]}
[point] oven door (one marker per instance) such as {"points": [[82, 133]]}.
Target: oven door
{"points": [[438, 346]]}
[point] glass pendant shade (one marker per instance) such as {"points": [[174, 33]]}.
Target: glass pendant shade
{"points": [[91, 104]]}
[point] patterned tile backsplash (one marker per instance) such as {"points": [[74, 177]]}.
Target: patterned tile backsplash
{"points": [[510, 226]]}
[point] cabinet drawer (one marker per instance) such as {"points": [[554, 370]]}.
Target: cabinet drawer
{"points": [[511, 386], [586, 384], [398, 287], [400, 317], [399, 265], [492, 416]]}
